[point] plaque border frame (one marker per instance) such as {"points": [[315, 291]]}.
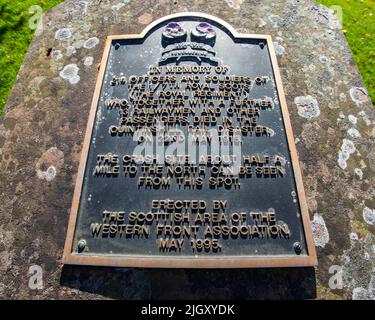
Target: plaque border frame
{"points": [[232, 261]]}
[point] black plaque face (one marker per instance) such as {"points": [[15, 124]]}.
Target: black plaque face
{"points": [[189, 158]]}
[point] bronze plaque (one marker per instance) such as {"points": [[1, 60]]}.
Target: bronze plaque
{"points": [[189, 159]]}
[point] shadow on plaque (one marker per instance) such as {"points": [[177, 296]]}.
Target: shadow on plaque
{"points": [[194, 284]]}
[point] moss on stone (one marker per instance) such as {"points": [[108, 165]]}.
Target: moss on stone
{"points": [[15, 36]]}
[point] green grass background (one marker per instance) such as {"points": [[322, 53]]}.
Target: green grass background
{"points": [[15, 36], [359, 29]]}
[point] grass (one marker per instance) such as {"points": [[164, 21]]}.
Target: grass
{"points": [[359, 28], [15, 36]]}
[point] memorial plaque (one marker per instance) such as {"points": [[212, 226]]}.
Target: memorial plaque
{"points": [[189, 158]]}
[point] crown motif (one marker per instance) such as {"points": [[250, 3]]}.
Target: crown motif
{"points": [[174, 33], [198, 48], [204, 33]]}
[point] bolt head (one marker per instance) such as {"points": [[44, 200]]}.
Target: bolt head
{"points": [[297, 247], [81, 245]]}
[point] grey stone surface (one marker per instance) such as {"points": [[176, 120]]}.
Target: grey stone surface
{"points": [[42, 130]]}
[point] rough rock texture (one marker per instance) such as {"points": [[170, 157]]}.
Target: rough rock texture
{"points": [[42, 131]]}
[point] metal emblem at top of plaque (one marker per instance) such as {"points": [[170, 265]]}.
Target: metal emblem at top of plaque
{"points": [[189, 159]]}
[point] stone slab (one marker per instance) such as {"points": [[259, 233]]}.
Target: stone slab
{"points": [[42, 131]]}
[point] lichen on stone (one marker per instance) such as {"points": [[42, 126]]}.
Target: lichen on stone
{"points": [[359, 95], [347, 148], [63, 34], [279, 49], [47, 175], [361, 293], [77, 9], [358, 172], [70, 50], [354, 133], [326, 16], [369, 216], [70, 73], [320, 231], [353, 236], [91, 43], [57, 54], [88, 61], [308, 106], [352, 119], [276, 20], [47, 166], [262, 23], [118, 6]]}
